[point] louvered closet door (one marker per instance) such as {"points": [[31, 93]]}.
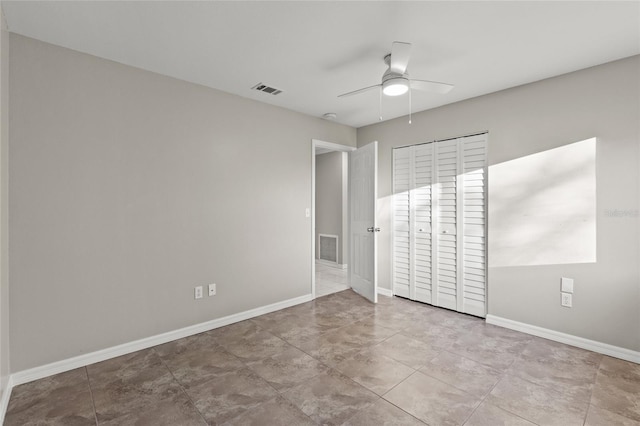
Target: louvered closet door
{"points": [[439, 222], [446, 212], [401, 215], [474, 157], [420, 228]]}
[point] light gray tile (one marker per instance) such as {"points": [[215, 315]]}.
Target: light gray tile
{"points": [[177, 410], [377, 373], [434, 335], [490, 415], [411, 352], [493, 350], [277, 411], [538, 404], [330, 398], [259, 346], [287, 368], [223, 398], [60, 399], [432, 401], [617, 387], [601, 417], [463, 373], [558, 366], [194, 366], [382, 413]]}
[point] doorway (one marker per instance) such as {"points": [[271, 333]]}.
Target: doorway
{"points": [[329, 217]]}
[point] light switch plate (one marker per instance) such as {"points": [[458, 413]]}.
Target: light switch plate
{"points": [[212, 289], [566, 285]]}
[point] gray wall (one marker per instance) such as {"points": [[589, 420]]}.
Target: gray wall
{"points": [[329, 191], [128, 188], [4, 194], [599, 102]]}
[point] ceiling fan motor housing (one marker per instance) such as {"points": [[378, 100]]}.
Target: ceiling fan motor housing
{"points": [[393, 83]]}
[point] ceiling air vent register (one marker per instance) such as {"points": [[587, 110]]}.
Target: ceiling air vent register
{"points": [[261, 87]]}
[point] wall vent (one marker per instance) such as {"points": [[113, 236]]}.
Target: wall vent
{"points": [[261, 87], [328, 248]]}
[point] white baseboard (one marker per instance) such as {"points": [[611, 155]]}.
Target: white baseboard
{"points": [[6, 395], [385, 292], [580, 342], [36, 373]]}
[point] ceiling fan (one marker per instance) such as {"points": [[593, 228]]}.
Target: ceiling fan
{"points": [[396, 81]]}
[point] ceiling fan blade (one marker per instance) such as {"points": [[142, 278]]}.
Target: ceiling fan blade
{"points": [[430, 86], [400, 53], [355, 92]]}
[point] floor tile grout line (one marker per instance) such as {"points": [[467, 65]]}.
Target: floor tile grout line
{"points": [[595, 380], [184, 391], [396, 385], [484, 398], [93, 401]]}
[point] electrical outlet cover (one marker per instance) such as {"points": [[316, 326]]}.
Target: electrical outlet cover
{"points": [[567, 300], [198, 292], [566, 285]]}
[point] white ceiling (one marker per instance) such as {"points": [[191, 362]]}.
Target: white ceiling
{"points": [[315, 51]]}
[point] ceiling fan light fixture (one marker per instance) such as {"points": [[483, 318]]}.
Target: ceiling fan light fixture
{"points": [[395, 86]]}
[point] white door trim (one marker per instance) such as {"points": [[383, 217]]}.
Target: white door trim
{"points": [[317, 143]]}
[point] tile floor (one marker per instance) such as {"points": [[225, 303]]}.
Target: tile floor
{"points": [[341, 361], [330, 280]]}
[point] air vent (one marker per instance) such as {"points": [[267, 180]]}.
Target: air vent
{"points": [[266, 89]]}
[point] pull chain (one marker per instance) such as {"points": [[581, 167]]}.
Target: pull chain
{"points": [[380, 105], [409, 104]]}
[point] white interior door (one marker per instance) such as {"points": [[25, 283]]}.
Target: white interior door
{"points": [[363, 172]]}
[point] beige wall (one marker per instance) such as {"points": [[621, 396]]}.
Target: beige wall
{"points": [[4, 192], [599, 102], [128, 188], [329, 189]]}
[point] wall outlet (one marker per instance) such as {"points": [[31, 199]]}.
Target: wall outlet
{"points": [[567, 300], [198, 292], [212, 289]]}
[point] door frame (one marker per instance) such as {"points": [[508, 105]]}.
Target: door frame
{"points": [[317, 143]]}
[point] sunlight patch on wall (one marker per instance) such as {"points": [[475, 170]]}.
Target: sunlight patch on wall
{"points": [[542, 207]]}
